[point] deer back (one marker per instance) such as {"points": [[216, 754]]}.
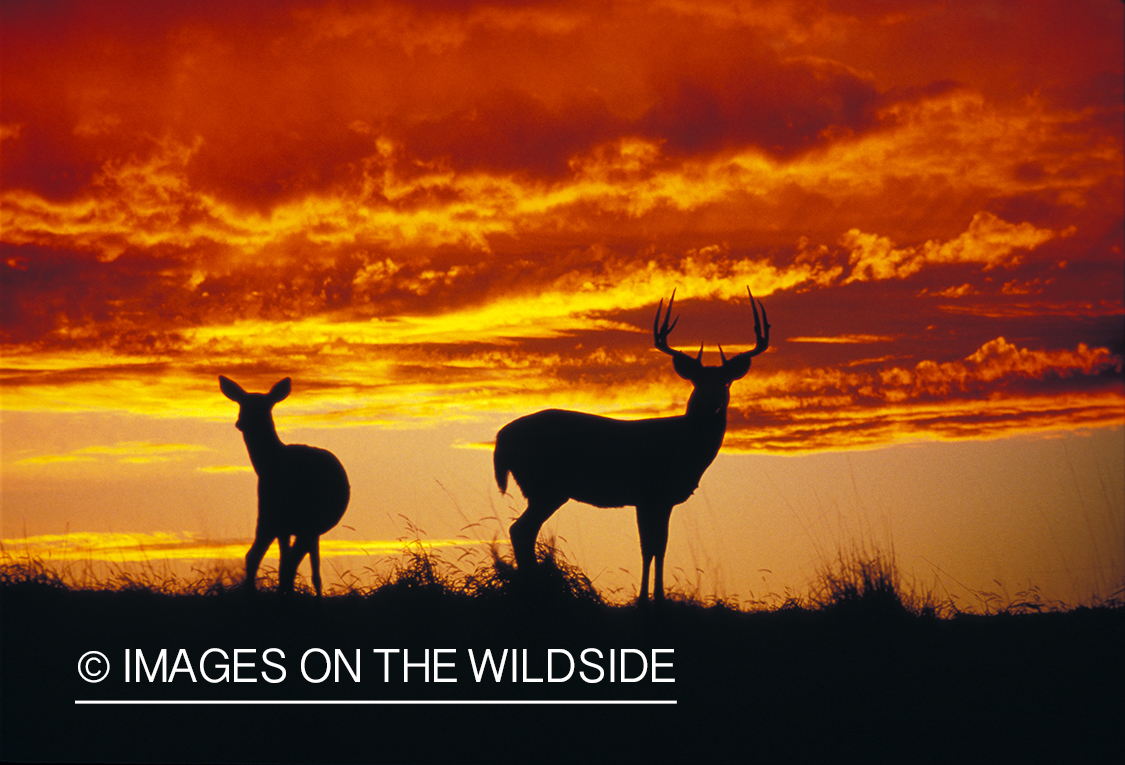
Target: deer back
{"points": [[558, 455]]}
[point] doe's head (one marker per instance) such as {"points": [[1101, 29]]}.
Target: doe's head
{"points": [[254, 409]]}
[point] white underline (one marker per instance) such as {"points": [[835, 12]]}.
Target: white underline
{"points": [[386, 702]]}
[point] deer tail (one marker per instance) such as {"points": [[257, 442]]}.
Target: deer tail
{"points": [[500, 462]]}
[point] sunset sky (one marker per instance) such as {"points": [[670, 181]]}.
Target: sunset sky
{"points": [[438, 216]]}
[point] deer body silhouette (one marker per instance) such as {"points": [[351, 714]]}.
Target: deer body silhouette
{"points": [[652, 465], [303, 491]]}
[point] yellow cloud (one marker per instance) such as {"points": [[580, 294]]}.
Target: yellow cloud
{"points": [[128, 452], [843, 339], [132, 548], [989, 241]]}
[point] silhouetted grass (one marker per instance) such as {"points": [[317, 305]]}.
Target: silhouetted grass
{"points": [[862, 668], [856, 582], [31, 574]]}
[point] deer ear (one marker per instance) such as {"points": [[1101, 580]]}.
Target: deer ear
{"points": [[686, 367], [736, 368], [280, 391], [231, 389]]}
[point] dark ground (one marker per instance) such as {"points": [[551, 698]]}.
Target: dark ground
{"points": [[855, 682]]}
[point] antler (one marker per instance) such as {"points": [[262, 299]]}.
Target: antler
{"points": [[761, 339], [660, 333], [687, 366]]}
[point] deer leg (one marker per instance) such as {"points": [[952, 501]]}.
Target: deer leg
{"points": [[254, 557], [314, 561], [646, 552], [301, 546], [659, 546], [652, 523], [525, 530], [646, 560], [287, 569]]}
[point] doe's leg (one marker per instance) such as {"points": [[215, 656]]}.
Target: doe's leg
{"points": [[301, 546], [286, 566], [254, 557], [314, 561]]}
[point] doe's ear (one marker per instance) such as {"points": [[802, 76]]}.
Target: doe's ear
{"points": [[280, 391], [231, 389]]}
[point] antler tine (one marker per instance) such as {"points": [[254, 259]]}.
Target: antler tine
{"points": [[761, 338], [761, 341], [660, 333]]}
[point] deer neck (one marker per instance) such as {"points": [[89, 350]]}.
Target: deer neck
{"points": [[707, 430], [264, 447]]}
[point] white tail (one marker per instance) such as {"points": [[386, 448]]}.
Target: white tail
{"points": [[653, 465], [303, 491]]}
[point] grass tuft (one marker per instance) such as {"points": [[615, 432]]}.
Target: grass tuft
{"points": [[555, 579], [31, 573], [869, 584]]}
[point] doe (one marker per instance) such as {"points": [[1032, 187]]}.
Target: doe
{"points": [[303, 491]]}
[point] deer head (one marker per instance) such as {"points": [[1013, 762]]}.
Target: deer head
{"points": [[254, 409], [712, 384]]}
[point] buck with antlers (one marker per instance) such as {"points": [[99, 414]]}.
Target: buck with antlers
{"points": [[303, 491], [653, 464]]}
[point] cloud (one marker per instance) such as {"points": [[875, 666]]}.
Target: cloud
{"points": [[781, 106], [511, 131], [160, 546], [998, 390], [1000, 361], [121, 453], [989, 241], [842, 339], [441, 210]]}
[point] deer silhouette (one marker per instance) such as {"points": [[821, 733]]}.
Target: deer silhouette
{"points": [[303, 491], [654, 464]]}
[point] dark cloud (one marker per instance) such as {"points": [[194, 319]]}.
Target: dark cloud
{"points": [[70, 299], [283, 163], [46, 290], [782, 107], [45, 160], [275, 111], [512, 131]]}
